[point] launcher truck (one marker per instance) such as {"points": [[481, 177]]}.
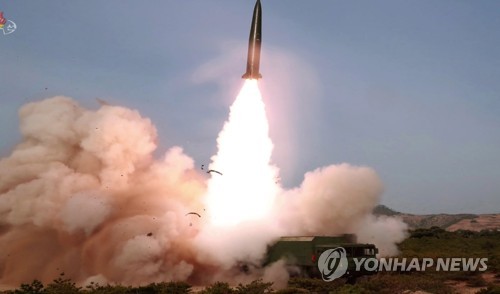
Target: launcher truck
{"points": [[301, 253]]}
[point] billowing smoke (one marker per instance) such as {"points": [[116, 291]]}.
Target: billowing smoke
{"points": [[82, 194]]}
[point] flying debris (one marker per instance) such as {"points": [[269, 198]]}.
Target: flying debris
{"points": [[254, 44], [213, 170], [195, 213]]}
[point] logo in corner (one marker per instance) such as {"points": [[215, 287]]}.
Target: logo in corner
{"points": [[332, 264], [7, 26]]}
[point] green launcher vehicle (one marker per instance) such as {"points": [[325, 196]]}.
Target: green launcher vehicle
{"points": [[301, 253]]}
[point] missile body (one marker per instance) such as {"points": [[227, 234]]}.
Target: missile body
{"points": [[253, 60]]}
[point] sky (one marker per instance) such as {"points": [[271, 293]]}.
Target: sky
{"points": [[408, 88]]}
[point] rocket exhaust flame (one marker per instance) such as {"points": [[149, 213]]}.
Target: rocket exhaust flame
{"points": [[244, 154]]}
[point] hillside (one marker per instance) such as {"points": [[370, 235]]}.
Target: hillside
{"points": [[450, 222], [481, 222]]}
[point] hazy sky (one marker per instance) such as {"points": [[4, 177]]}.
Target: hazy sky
{"points": [[409, 88]]}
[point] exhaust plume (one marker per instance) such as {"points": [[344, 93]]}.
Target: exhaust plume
{"points": [[82, 194]]}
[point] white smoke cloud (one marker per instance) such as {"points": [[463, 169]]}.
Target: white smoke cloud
{"points": [[83, 194], [383, 231], [331, 200]]}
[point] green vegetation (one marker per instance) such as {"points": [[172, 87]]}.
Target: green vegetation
{"points": [[433, 242], [436, 242], [65, 286]]}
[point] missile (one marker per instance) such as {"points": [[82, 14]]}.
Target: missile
{"points": [[253, 59]]}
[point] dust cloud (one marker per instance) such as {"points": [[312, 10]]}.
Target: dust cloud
{"points": [[83, 194]]}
